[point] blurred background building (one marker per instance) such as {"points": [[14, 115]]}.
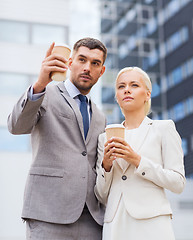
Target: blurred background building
{"points": [[156, 35]]}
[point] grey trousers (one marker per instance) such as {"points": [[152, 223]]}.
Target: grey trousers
{"points": [[85, 228]]}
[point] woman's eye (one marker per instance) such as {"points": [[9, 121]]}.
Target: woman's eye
{"points": [[121, 86], [135, 85]]}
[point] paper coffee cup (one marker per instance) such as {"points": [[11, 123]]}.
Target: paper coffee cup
{"points": [[65, 51], [115, 130]]}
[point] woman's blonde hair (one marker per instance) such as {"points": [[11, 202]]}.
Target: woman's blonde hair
{"points": [[145, 79]]}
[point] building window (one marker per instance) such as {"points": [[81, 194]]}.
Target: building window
{"points": [[108, 95], [179, 111], [179, 74], [152, 26], [153, 58], [14, 32], [189, 67], [176, 40], [148, 1], [144, 13], [171, 9], [171, 44], [26, 33], [123, 51], [122, 24], [108, 10], [185, 146], [191, 143], [13, 143], [184, 2], [155, 90], [189, 105], [42, 34], [132, 41], [186, 205], [131, 15], [13, 84]]}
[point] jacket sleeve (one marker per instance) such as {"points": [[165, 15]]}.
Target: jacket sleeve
{"points": [[104, 179], [25, 114], [170, 174]]}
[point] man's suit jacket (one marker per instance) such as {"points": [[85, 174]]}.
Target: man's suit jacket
{"points": [[63, 171], [142, 188]]}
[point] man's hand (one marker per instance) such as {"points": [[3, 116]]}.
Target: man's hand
{"points": [[51, 63]]}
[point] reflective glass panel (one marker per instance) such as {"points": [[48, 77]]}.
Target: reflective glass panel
{"points": [[13, 84], [14, 32], [13, 143], [44, 34]]}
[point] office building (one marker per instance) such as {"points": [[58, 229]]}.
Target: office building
{"points": [[156, 35], [26, 30]]}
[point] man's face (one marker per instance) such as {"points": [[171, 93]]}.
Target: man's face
{"points": [[86, 66]]}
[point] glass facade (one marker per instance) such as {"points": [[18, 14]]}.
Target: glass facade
{"points": [[31, 33], [13, 84], [156, 36]]}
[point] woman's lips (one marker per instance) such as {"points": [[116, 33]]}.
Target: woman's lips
{"points": [[128, 98]]}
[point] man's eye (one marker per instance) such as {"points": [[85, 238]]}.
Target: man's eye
{"points": [[95, 63], [81, 59]]}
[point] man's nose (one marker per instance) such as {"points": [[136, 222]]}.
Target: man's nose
{"points": [[87, 67]]}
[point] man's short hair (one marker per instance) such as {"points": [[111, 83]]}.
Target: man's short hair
{"points": [[91, 43]]}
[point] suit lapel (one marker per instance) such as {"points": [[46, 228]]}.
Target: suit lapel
{"points": [[139, 138], [141, 134], [73, 105]]}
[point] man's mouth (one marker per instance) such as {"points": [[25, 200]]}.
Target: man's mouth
{"points": [[85, 76]]}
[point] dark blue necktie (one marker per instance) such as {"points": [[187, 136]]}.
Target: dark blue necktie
{"points": [[84, 112]]}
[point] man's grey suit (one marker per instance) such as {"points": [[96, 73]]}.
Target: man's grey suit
{"points": [[62, 175]]}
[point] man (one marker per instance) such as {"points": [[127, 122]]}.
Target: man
{"points": [[59, 200]]}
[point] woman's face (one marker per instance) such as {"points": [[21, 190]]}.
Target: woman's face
{"points": [[131, 91]]}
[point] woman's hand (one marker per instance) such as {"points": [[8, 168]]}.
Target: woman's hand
{"points": [[108, 157], [119, 148]]}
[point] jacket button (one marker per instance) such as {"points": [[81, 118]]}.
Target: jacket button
{"points": [[124, 177], [84, 153], [143, 173]]}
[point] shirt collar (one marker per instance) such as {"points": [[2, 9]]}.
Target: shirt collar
{"points": [[73, 90]]}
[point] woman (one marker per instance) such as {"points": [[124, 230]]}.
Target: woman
{"points": [[133, 173]]}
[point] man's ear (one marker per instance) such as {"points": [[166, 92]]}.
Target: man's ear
{"points": [[70, 63], [102, 70]]}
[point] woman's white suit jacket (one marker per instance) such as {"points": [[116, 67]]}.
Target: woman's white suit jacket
{"points": [[142, 188]]}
